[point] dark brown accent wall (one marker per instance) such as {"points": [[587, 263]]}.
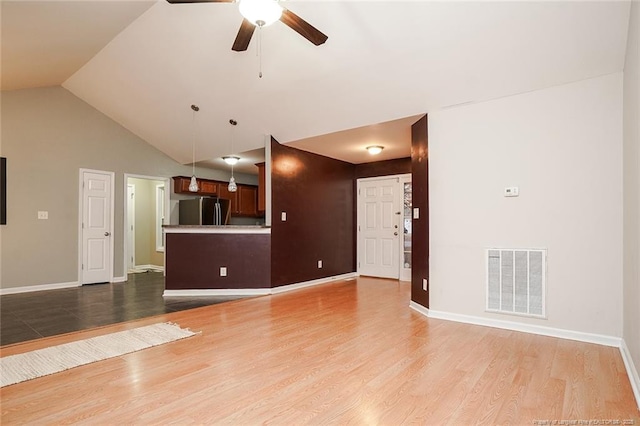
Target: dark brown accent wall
{"points": [[316, 192], [398, 166], [193, 261], [420, 199]]}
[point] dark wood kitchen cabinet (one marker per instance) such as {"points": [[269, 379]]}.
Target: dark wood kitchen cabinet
{"points": [[223, 190], [244, 202], [262, 198], [205, 186], [247, 200]]}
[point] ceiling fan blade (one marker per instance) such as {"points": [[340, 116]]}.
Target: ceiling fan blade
{"points": [[302, 27], [244, 36], [199, 1]]}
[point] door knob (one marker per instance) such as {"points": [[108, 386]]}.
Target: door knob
{"points": [[395, 233], [106, 234]]}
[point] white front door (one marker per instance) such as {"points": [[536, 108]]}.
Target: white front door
{"points": [[97, 247], [379, 227]]}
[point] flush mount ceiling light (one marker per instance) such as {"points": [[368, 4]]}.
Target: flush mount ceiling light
{"points": [[231, 160], [375, 149], [260, 12]]}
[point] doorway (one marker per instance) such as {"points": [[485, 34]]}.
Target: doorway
{"points": [[384, 227], [146, 209], [96, 223]]}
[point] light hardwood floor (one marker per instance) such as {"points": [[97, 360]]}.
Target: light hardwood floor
{"points": [[350, 352]]}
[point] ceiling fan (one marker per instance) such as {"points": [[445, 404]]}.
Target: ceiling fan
{"points": [[259, 13]]}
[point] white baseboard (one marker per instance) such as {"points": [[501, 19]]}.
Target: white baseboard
{"points": [[218, 292], [296, 286], [145, 268], [256, 291], [41, 287], [119, 279], [418, 307], [580, 336], [632, 372]]}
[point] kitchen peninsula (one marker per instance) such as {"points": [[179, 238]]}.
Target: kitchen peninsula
{"points": [[217, 260]]}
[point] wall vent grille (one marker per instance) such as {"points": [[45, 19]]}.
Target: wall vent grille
{"points": [[516, 281]]}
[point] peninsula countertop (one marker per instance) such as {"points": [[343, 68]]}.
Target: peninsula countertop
{"points": [[216, 229]]}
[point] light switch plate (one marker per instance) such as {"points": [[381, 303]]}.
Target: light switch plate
{"points": [[416, 213], [283, 216], [223, 271], [319, 264], [43, 215]]}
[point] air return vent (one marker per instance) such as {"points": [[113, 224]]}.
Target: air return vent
{"points": [[516, 281]]}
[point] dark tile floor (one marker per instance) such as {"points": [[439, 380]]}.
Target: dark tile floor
{"points": [[27, 316]]}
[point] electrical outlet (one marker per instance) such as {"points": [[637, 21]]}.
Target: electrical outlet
{"points": [[425, 284], [416, 213], [319, 264], [43, 215], [223, 271], [283, 216]]}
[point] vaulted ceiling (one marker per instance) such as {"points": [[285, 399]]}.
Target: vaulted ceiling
{"points": [[143, 63]]}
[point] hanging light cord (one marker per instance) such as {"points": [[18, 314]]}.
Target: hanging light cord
{"points": [[193, 141], [259, 51]]}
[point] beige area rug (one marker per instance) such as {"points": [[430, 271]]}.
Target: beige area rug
{"points": [[29, 365]]}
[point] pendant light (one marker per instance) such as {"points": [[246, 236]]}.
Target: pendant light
{"points": [[193, 185], [232, 159]]}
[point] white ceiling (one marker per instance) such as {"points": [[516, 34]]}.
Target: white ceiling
{"points": [[383, 61]]}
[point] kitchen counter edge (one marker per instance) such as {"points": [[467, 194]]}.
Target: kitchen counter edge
{"points": [[214, 229]]}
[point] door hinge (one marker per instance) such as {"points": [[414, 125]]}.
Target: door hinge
{"points": [[82, 225], [359, 191], [82, 267]]}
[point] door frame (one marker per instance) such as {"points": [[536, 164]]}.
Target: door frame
{"points": [[125, 206], [112, 176], [401, 178], [129, 233]]}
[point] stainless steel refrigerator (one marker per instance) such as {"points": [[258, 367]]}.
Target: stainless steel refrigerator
{"points": [[204, 211]]}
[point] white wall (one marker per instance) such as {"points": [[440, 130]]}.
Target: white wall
{"points": [[632, 189], [563, 147]]}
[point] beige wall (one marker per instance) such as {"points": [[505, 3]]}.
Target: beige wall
{"points": [[563, 147], [631, 170], [48, 134]]}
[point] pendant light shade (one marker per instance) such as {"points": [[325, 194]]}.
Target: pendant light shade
{"points": [[260, 12], [232, 159], [193, 185], [232, 185]]}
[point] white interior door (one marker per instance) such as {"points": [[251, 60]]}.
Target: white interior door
{"points": [[97, 248], [131, 230], [379, 230]]}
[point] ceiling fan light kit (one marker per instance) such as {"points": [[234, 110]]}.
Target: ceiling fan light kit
{"points": [[375, 149], [260, 12]]}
